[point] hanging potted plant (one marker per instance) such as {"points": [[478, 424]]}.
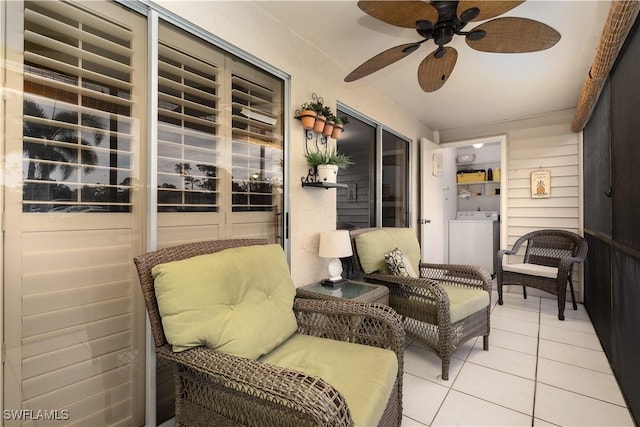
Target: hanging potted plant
{"points": [[329, 123], [307, 115], [339, 126], [326, 163], [321, 118]]}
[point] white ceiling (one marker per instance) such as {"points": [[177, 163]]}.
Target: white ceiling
{"points": [[484, 87]]}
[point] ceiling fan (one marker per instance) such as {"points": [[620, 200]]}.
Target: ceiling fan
{"points": [[441, 21]]}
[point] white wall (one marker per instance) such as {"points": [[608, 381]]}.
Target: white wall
{"points": [[246, 26]]}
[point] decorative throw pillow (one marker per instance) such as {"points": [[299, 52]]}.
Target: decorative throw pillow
{"points": [[399, 264], [238, 301]]}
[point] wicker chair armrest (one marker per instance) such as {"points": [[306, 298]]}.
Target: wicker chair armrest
{"points": [[564, 267], [362, 323], [411, 287], [503, 252], [472, 276], [317, 402]]}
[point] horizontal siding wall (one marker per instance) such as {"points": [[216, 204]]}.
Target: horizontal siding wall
{"points": [[557, 149]]}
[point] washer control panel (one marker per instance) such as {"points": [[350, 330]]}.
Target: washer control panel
{"points": [[477, 215]]}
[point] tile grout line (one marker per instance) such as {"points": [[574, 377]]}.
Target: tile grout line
{"points": [[535, 382], [452, 380]]}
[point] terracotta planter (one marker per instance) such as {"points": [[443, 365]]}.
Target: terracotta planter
{"points": [[327, 173], [328, 128], [308, 118], [337, 131], [319, 125]]}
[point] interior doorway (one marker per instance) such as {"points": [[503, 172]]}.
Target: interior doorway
{"points": [[441, 200]]}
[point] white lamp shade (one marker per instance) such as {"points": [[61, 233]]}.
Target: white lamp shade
{"points": [[335, 244]]}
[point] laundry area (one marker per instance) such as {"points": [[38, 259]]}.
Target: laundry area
{"points": [[474, 233]]}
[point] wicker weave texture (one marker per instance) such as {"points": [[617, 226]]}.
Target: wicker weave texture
{"points": [[424, 304], [214, 388], [621, 18], [552, 248]]}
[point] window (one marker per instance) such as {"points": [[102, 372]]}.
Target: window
{"points": [[377, 192]]}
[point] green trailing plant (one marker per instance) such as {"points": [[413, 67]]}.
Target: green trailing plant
{"points": [[328, 157]]}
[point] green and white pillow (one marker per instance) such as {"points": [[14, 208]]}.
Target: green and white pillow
{"points": [[399, 264]]}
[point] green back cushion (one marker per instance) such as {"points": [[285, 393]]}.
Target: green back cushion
{"points": [[372, 246], [239, 301]]}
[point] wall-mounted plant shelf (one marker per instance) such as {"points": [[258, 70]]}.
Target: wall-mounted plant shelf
{"points": [[325, 185], [319, 122]]}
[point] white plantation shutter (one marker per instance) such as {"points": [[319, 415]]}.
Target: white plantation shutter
{"points": [[220, 145], [77, 111], [188, 130], [257, 144], [73, 225]]}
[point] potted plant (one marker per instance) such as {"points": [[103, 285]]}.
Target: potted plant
{"points": [[319, 108], [339, 126], [307, 115], [326, 163], [329, 123]]}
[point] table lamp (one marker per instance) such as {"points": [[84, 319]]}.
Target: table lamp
{"points": [[334, 244]]}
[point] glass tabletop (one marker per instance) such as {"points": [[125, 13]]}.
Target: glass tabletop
{"points": [[347, 290]]}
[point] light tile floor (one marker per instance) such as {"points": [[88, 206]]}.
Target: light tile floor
{"points": [[539, 371]]}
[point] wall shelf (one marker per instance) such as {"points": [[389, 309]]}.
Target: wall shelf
{"points": [[478, 182], [325, 185]]}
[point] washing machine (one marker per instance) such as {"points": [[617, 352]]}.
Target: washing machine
{"points": [[474, 238]]}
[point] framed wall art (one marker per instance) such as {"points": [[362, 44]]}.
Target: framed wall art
{"points": [[541, 184]]}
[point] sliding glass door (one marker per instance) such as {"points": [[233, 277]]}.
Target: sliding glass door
{"points": [[377, 192]]}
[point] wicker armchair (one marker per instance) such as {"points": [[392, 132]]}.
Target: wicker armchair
{"points": [[424, 303], [547, 265], [215, 388]]}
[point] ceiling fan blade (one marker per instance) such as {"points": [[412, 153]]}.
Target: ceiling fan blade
{"points": [[400, 13], [514, 35], [381, 60], [487, 9], [434, 72]]}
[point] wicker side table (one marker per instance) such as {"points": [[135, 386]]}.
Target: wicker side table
{"points": [[351, 290]]}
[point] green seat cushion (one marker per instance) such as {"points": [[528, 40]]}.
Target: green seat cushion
{"points": [[372, 246], [238, 301], [464, 302], [364, 375]]}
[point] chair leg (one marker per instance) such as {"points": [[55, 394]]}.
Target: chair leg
{"points": [[573, 295], [524, 291], [561, 304], [485, 342], [445, 369], [500, 293]]}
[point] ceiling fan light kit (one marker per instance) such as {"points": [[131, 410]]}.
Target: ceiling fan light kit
{"points": [[440, 21]]}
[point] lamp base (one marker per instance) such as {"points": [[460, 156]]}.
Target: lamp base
{"points": [[333, 282]]}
